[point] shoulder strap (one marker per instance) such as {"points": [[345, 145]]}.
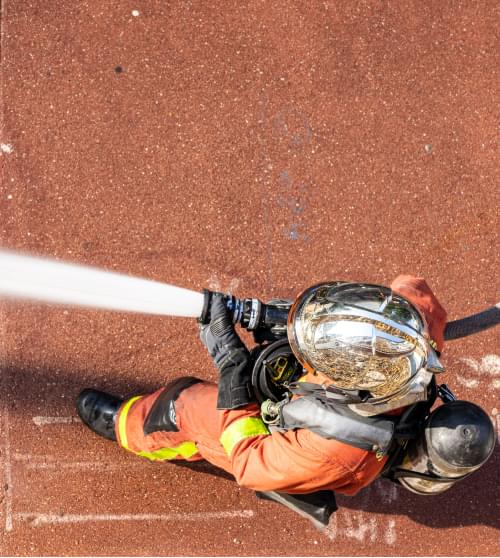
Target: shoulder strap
{"points": [[332, 421]]}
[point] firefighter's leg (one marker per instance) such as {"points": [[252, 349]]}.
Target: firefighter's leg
{"points": [[182, 417], [147, 425], [144, 425], [181, 421]]}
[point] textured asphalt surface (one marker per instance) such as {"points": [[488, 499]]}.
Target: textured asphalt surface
{"points": [[256, 149]]}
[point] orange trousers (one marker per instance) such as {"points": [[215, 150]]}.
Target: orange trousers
{"points": [[196, 419], [296, 461]]}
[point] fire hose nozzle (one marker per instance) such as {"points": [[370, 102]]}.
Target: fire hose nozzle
{"points": [[250, 313]]}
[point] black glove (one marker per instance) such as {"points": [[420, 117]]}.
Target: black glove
{"points": [[230, 356]]}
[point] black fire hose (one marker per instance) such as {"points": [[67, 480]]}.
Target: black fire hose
{"points": [[472, 324]]}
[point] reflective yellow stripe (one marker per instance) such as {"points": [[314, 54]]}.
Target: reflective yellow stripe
{"points": [[122, 422], [246, 427], [186, 449]]}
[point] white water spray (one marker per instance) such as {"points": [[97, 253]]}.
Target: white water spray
{"points": [[63, 283]]}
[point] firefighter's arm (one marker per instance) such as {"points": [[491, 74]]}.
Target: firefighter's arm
{"points": [[229, 355], [418, 292], [288, 462]]}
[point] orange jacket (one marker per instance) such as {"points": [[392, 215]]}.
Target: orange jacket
{"points": [[300, 461]]}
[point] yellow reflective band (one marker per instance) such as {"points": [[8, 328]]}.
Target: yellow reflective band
{"points": [[247, 427], [122, 422], [185, 450]]}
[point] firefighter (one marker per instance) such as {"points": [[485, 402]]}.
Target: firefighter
{"points": [[368, 354]]}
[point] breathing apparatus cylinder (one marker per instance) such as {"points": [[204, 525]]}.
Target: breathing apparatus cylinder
{"points": [[457, 439]]}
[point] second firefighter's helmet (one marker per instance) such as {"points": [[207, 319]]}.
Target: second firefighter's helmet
{"points": [[364, 338]]}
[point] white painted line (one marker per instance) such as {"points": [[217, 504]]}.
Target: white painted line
{"points": [[331, 529], [358, 527], [44, 421], [471, 362], [388, 491], [38, 519], [8, 472], [390, 532], [361, 528], [488, 368], [53, 463], [78, 465], [490, 364], [6, 148], [33, 458], [468, 383]]}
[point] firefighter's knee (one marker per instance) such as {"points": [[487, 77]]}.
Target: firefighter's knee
{"points": [[146, 425], [162, 415]]}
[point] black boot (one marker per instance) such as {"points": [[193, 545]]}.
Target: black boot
{"points": [[97, 410]]}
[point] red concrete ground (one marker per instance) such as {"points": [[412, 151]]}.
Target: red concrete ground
{"points": [[258, 148]]}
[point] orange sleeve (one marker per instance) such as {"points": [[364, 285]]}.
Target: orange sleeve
{"points": [[296, 461], [418, 292]]}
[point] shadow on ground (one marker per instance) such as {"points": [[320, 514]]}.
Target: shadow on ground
{"points": [[473, 501]]}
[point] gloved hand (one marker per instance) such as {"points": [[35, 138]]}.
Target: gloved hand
{"points": [[230, 356], [219, 336]]}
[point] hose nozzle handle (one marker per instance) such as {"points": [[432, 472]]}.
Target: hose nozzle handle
{"points": [[250, 313], [207, 303], [232, 303]]}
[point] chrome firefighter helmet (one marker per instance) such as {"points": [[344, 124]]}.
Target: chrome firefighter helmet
{"points": [[457, 439], [365, 339]]}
